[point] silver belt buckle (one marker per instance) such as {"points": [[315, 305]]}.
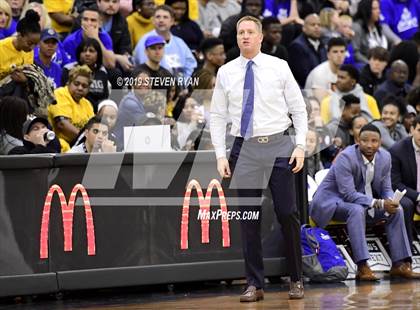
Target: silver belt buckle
{"points": [[262, 139]]}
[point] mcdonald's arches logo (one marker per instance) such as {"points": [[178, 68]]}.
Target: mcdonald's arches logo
{"points": [[67, 211], [205, 207]]}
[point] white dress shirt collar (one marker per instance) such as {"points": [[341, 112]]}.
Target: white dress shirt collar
{"points": [[415, 146], [366, 161], [244, 61]]}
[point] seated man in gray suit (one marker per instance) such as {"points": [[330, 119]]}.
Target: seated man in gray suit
{"points": [[356, 190]]}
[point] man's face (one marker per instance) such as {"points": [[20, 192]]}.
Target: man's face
{"points": [[350, 111], [79, 87], [48, 47], [358, 123], [16, 4], [249, 37], [312, 27], [162, 21], [253, 7], [90, 19], [108, 7], [336, 55], [390, 115], [369, 143], [35, 129], [180, 7], [399, 74], [345, 82], [97, 134], [147, 8], [217, 55], [273, 34], [415, 132], [155, 53], [377, 66]]}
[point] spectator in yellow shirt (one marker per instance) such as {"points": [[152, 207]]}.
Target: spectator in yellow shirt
{"points": [[60, 13], [19, 50], [72, 110], [140, 20]]}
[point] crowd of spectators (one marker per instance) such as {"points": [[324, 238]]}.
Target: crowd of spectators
{"points": [[155, 62]]}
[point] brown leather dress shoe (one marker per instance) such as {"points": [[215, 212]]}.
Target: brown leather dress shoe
{"points": [[296, 290], [252, 294], [364, 273], [403, 271]]}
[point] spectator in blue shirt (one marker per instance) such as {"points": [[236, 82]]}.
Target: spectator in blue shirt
{"points": [[402, 16], [44, 58], [90, 29], [178, 58]]}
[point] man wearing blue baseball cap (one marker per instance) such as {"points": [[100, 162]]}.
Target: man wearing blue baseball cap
{"points": [[155, 50], [178, 58], [44, 58]]}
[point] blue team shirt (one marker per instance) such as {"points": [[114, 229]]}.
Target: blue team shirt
{"points": [[53, 72], [403, 18], [277, 8], [4, 33], [74, 39], [60, 57]]}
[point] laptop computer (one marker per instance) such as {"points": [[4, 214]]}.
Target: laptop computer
{"points": [[155, 138]]}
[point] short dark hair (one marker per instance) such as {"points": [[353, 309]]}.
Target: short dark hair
{"points": [[95, 120], [351, 70], [267, 21], [348, 100], [395, 101], [93, 7], [379, 53], [413, 97], [167, 8], [207, 44], [416, 121], [370, 127], [356, 117], [336, 42]]}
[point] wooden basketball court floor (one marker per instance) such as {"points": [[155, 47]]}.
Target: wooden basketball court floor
{"points": [[386, 294]]}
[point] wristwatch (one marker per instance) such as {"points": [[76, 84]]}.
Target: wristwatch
{"points": [[301, 146]]}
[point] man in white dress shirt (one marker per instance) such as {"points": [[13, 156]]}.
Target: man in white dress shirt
{"points": [[258, 92]]}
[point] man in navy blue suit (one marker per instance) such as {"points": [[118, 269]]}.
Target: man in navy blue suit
{"points": [[405, 173], [307, 51]]}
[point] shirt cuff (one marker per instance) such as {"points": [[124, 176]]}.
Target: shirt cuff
{"points": [[372, 203], [220, 152], [418, 197], [301, 140]]}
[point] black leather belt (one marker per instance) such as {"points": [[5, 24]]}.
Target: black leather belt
{"points": [[266, 139]]}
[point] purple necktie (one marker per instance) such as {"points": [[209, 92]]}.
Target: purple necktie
{"points": [[248, 102]]}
